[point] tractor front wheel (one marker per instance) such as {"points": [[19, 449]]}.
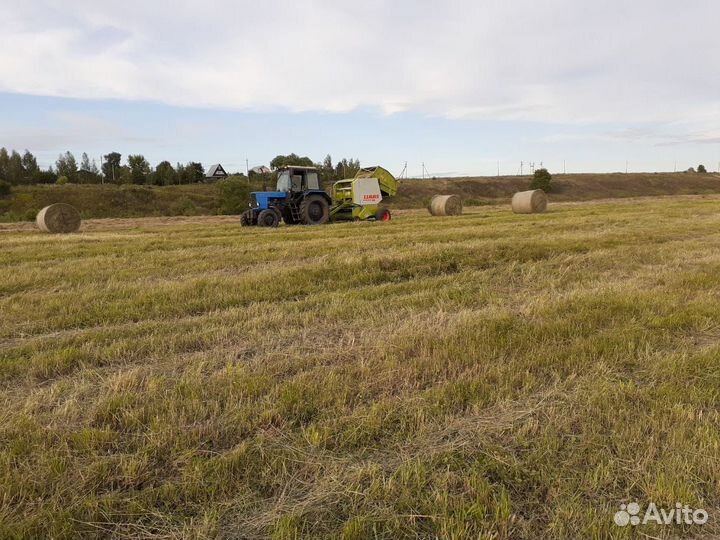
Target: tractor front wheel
{"points": [[248, 219], [268, 218], [314, 210]]}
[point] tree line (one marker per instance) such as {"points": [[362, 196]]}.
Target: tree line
{"points": [[139, 171], [17, 169]]}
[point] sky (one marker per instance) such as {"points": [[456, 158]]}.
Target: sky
{"points": [[463, 87]]}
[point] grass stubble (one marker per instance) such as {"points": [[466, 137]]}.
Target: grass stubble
{"points": [[483, 376]]}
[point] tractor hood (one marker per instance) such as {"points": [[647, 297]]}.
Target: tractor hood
{"points": [[262, 198]]}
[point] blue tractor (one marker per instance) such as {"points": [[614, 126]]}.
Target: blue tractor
{"points": [[297, 199]]}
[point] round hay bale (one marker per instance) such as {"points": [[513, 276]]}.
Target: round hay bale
{"points": [[446, 205], [58, 218], [529, 202]]}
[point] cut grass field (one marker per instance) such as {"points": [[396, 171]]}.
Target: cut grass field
{"points": [[484, 376]]}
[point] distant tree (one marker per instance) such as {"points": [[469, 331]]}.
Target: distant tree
{"points": [[15, 172], [5, 188], [123, 175], [194, 172], [290, 159], [30, 165], [347, 168], [701, 169], [88, 173], [327, 171], [111, 167], [198, 171], [139, 168], [62, 180], [67, 166], [85, 162], [165, 175], [541, 180], [4, 160]]}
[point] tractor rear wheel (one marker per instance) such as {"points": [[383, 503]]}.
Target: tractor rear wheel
{"points": [[248, 219], [268, 218], [314, 210]]}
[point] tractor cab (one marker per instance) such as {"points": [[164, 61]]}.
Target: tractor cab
{"points": [[296, 179]]}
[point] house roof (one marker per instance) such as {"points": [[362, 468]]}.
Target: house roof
{"points": [[215, 170]]}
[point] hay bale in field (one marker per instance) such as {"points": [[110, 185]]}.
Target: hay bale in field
{"points": [[446, 205], [529, 202], [58, 218]]}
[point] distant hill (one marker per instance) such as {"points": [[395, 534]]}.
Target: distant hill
{"points": [[110, 201], [565, 187]]}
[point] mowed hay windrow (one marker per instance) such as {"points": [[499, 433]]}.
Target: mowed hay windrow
{"points": [[446, 205], [529, 202], [58, 218]]}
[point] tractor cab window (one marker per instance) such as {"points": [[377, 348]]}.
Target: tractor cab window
{"points": [[283, 182], [312, 181]]}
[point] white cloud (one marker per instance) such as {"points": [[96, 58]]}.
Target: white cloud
{"points": [[552, 61]]}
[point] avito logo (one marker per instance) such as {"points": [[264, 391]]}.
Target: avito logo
{"points": [[681, 514]]}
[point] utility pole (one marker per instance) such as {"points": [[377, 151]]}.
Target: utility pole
{"points": [[423, 170], [403, 173], [564, 170], [498, 164], [626, 167], [521, 168], [247, 169]]}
